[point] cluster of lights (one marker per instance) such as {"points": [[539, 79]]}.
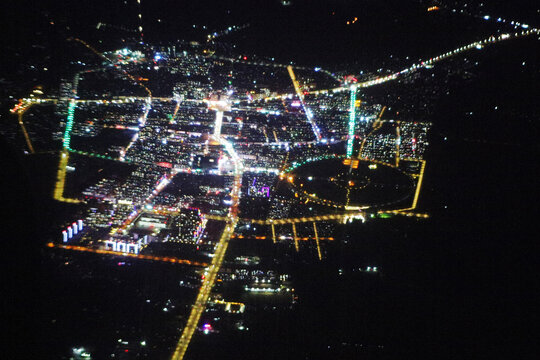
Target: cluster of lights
{"points": [[123, 247], [263, 290], [25, 103], [226, 31], [350, 22], [81, 353], [515, 24]]}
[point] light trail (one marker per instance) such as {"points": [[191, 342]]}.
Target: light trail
{"points": [[169, 259]]}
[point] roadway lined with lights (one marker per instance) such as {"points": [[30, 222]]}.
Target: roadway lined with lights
{"points": [[66, 141], [219, 255], [307, 111], [276, 65], [422, 64], [20, 109], [169, 259]]}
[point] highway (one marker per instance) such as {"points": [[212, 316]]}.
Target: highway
{"points": [[421, 64], [343, 217], [219, 255], [169, 259]]}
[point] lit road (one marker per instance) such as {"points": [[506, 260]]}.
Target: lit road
{"points": [[343, 217], [221, 248], [422, 64], [168, 259]]}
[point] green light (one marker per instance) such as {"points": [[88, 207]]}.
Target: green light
{"points": [[69, 125]]}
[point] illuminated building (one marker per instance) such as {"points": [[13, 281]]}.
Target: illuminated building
{"points": [[219, 103]]}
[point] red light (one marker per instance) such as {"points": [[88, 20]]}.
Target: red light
{"points": [[165, 164], [245, 57], [126, 350]]}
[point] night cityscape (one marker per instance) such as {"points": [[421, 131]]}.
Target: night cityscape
{"points": [[269, 180]]}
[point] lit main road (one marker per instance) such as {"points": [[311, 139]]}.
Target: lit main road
{"points": [[168, 259], [343, 217], [221, 248], [421, 64]]}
